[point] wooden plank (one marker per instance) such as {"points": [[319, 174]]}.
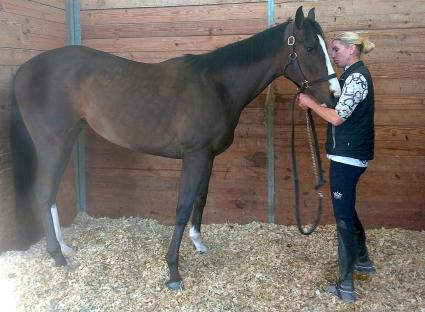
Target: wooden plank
{"points": [[390, 133], [6, 75], [408, 216], [359, 15], [382, 102], [60, 4], [160, 43], [162, 192], [29, 25], [30, 33], [34, 9], [15, 57], [38, 42], [174, 29], [408, 117], [384, 86], [175, 14], [112, 4]]}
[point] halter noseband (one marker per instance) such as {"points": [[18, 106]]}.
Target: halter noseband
{"points": [[293, 57]]}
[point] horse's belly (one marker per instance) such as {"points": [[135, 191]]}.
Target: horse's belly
{"points": [[157, 141]]}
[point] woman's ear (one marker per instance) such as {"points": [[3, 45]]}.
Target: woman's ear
{"points": [[353, 49]]}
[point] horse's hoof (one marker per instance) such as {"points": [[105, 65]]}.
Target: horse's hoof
{"points": [[60, 261], [67, 251], [175, 286], [201, 249]]}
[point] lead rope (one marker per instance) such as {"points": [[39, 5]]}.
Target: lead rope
{"points": [[314, 151], [315, 154]]}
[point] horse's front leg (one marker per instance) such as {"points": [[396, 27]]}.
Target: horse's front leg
{"points": [[196, 172], [198, 209]]}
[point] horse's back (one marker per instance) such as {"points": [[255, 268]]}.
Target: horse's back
{"points": [[156, 108]]}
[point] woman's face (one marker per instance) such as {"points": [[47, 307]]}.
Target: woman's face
{"points": [[342, 54]]}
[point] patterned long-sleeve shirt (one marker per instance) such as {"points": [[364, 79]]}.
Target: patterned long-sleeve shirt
{"points": [[354, 91]]}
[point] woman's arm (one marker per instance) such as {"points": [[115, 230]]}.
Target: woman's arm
{"points": [[354, 91], [328, 114]]}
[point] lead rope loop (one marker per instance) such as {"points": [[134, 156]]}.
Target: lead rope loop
{"points": [[315, 154]]}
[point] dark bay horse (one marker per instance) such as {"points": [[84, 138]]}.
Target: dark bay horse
{"points": [[186, 108]]}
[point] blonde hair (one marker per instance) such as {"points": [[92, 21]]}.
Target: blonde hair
{"points": [[363, 44]]}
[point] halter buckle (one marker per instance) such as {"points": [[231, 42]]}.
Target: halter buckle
{"points": [[293, 56], [305, 85], [291, 40]]}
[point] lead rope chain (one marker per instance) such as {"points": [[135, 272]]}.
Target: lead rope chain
{"points": [[319, 182], [313, 156]]}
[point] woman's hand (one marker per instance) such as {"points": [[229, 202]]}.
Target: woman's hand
{"points": [[304, 101], [328, 114]]}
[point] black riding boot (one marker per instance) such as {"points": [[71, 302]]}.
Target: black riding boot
{"points": [[363, 264], [344, 288]]}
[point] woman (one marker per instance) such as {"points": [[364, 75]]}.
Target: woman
{"points": [[350, 145]]}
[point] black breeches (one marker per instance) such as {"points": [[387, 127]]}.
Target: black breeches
{"points": [[343, 182]]}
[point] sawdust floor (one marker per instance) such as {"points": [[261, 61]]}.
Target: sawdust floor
{"points": [[118, 265]]}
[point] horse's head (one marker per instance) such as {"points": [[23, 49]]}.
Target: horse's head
{"points": [[309, 66]]}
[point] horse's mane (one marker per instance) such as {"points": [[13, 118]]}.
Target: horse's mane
{"points": [[241, 52], [246, 51]]}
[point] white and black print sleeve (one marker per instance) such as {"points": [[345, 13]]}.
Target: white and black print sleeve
{"points": [[354, 91]]}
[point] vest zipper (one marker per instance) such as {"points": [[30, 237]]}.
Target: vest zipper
{"points": [[333, 136]]}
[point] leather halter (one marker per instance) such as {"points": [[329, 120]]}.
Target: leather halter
{"points": [[293, 58], [314, 145]]}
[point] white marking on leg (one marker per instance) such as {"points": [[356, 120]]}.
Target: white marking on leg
{"points": [[333, 83], [66, 250], [195, 236]]}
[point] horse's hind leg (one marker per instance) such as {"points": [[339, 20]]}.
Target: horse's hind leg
{"points": [[195, 174], [198, 209], [53, 152]]}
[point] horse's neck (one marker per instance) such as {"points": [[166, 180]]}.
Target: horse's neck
{"points": [[244, 84]]}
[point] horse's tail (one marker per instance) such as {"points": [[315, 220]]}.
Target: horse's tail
{"points": [[24, 163]]}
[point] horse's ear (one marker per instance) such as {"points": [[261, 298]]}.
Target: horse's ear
{"points": [[311, 14], [299, 18]]}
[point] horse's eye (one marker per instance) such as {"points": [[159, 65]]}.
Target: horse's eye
{"points": [[309, 49]]}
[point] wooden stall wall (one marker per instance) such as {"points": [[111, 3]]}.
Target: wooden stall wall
{"points": [[391, 192], [27, 28]]}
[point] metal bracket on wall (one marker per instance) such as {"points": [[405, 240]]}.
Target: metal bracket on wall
{"points": [[74, 38]]}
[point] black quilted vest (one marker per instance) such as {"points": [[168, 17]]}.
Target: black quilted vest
{"points": [[356, 136]]}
